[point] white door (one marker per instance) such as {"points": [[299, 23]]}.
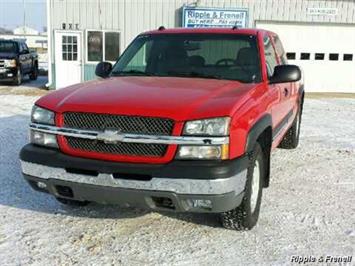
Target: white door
{"points": [[68, 58], [325, 52]]}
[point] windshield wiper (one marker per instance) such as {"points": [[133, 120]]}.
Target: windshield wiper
{"points": [[132, 72], [194, 75]]}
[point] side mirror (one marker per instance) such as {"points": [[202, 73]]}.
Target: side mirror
{"points": [[103, 69], [25, 52], [285, 73]]}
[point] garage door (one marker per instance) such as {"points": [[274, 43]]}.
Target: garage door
{"points": [[326, 53]]}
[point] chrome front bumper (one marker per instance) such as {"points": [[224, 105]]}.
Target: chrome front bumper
{"points": [[188, 186], [233, 184]]}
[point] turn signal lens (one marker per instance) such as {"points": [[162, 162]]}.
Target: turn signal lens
{"points": [[210, 152], [43, 139]]}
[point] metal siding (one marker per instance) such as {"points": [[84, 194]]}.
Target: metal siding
{"points": [[131, 17], [89, 72], [134, 16]]}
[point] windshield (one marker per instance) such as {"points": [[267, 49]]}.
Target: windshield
{"points": [[217, 56], [8, 47]]}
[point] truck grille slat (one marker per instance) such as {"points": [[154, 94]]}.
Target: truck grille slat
{"points": [[124, 124], [127, 124], [132, 149]]}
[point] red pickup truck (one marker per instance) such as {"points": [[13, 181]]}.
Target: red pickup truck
{"points": [[185, 120]]}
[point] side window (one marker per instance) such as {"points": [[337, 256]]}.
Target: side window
{"points": [[24, 47], [20, 48], [280, 50], [270, 56]]}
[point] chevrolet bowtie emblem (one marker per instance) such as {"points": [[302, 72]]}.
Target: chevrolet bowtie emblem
{"points": [[110, 136]]}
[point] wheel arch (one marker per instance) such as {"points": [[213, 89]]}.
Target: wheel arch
{"points": [[261, 132]]}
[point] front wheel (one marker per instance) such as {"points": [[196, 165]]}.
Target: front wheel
{"points": [[18, 79], [245, 216]]}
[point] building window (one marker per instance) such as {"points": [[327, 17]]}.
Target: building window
{"points": [[305, 56], [95, 46], [112, 46], [333, 57], [103, 46], [348, 57], [318, 56], [291, 56], [69, 48]]}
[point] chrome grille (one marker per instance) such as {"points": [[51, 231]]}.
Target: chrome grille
{"points": [[124, 124], [132, 149]]}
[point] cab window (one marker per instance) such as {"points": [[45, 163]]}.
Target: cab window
{"points": [[270, 56], [280, 51]]}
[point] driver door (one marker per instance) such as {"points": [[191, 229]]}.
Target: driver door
{"points": [[279, 109]]}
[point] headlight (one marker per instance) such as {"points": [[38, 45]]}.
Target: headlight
{"points": [[10, 63], [210, 152], [43, 139], [208, 127], [42, 116]]}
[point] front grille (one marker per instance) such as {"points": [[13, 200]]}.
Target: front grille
{"points": [[124, 124], [132, 149], [2, 63]]}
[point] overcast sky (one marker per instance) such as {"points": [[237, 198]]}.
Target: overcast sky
{"points": [[11, 13]]}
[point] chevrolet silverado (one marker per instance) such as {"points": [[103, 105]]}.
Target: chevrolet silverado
{"points": [[185, 121]]}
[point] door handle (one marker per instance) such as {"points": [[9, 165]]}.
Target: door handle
{"points": [[286, 91]]}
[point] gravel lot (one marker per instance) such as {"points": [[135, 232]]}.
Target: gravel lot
{"points": [[309, 208]]}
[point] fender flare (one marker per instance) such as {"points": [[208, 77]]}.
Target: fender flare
{"points": [[256, 130]]}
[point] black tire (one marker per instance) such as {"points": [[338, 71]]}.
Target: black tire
{"points": [[18, 79], [246, 215], [34, 73], [74, 203], [292, 136]]}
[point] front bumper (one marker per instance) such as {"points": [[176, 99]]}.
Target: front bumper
{"points": [[193, 186], [8, 74]]}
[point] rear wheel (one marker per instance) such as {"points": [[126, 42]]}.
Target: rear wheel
{"points": [[245, 216], [292, 136], [73, 202], [34, 73]]}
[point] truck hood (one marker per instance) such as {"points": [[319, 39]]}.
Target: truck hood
{"points": [[7, 55], [180, 99]]}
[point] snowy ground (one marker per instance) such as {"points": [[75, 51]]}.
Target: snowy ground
{"points": [[309, 208]]}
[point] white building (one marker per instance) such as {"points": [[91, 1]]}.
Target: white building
{"points": [[318, 35], [24, 30]]}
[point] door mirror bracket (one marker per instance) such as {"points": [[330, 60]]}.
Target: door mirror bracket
{"points": [[103, 69]]}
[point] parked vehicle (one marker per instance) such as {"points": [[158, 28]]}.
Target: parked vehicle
{"points": [[184, 121], [16, 61]]}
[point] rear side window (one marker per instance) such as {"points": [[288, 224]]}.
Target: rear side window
{"points": [[270, 56]]}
